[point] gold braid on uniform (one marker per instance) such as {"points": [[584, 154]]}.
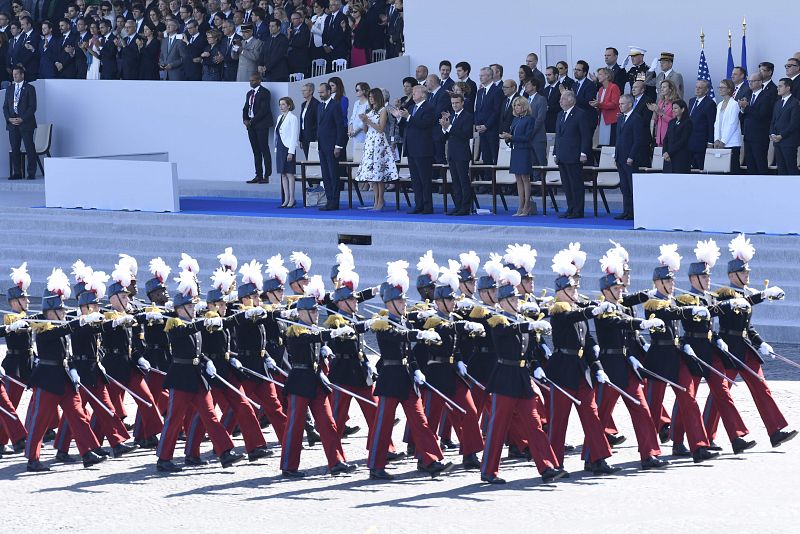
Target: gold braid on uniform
{"points": [[725, 293], [381, 325], [560, 307], [173, 322], [13, 317], [498, 320], [654, 305], [478, 312], [433, 322], [688, 300], [38, 328], [335, 321], [297, 331]]}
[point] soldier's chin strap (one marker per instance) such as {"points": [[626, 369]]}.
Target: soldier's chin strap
{"points": [[514, 308], [739, 278], [700, 283], [351, 310]]}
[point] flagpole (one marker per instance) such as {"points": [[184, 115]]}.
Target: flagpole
{"points": [[702, 39], [744, 44]]}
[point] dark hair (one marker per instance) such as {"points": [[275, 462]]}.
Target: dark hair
{"points": [[457, 96], [104, 22], [410, 79], [583, 64], [49, 24], [339, 86], [19, 68], [289, 102], [562, 63], [445, 63], [769, 66], [795, 60], [533, 82], [364, 86], [377, 96], [275, 21], [463, 65], [528, 72], [616, 52], [26, 17], [681, 104], [535, 56], [326, 84], [259, 12], [551, 67], [140, 7], [499, 67], [786, 81], [744, 70]]}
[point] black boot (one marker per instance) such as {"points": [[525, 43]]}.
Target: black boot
{"points": [[438, 468], [492, 479], [100, 451], [740, 445], [395, 456], [663, 433], [780, 437], [350, 430], [600, 467], [342, 467], [561, 468], [679, 450], [470, 461], [166, 466], [514, 452], [194, 461], [551, 475], [380, 474], [615, 439], [447, 444], [702, 454], [35, 466], [569, 448], [258, 453], [65, 458], [19, 446], [123, 448], [91, 458], [654, 462], [311, 435], [292, 474], [50, 435], [230, 457], [714, 447]]}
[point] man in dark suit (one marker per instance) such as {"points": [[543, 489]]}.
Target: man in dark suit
{"points": [[336, 42], [260, 26], [618, 74], [19, 109], [640, 101], [552, 94], [394, 31], [420, 122], [309, 110], [195, 45], [628, 152], [273, 55], [767, 69], [532, 61], [457, 128], [66, 67], [756, 111], [48, 52], [785, 129], [741, 88], [793, 73], [108, 53], [332, 141], [445, 68], [463, 70], [703, 112], [82, 42], [28, 49], [230, 45], [585, 91], [257, 119], [572, 147], [128, 54], [299, 53], [487, 117], [509, 89], [439, 100]]}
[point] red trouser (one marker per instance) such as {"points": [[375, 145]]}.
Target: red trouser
{"points": [[446, 426], [180, 402], [155, 382], [503, 411], [293, 436], [340, 406], [264, 393], [108, 426], [611, 425], [560, 407], [465, 425], [646, 435], [148, 421], [762, 396], [243, 413], [45, 407], [428, 450], [687, 404], [117, 396], [14, 391], [10, 428]]}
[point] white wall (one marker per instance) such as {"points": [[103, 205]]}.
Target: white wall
{"points": [[504, 32]]}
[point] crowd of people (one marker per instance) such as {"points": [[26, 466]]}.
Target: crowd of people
{"points": [[481, 352], [210, 40]]}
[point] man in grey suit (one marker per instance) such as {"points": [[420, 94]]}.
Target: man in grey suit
{"points": [[539, 113], [249, 54], [667, 73], [173, 53]]}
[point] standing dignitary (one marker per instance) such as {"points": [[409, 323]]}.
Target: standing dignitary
{"points": [[703, 112], [572, 147], [785, 129], [420, 121], [756, 112], [628, 152], [19, 109], [249, 55], [173, 53], [298, 54], [332, 140], [308, 117], [457, 129], [273, 64], [488, 101], [257, 119]]}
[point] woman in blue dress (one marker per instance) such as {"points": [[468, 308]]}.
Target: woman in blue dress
{"points": [[521, 140]]}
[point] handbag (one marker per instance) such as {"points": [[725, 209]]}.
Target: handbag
{"points": [[315, 196]]}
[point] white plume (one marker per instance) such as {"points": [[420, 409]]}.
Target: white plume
{"points": [[159, 269], [619, 250], [669, 257], [397, 274], [741, 249], [58, 283], [611, 263], [228, 260], [523, 256], [315, 287], [494, 266], [275, 268], [81, 271], [187, 284], [348, 278], [122, 274], [251, 274], [97, 282], [223, 279], [427, 265], [344, 259], [510, 277], [448, 276], [130, 263], [20, 276], [707, 252], [470, 261], [578, 256], [300, 259], [562, 264], [188, 263]]}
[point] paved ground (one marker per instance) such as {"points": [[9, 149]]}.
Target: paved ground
{"points": [[754, 492]]}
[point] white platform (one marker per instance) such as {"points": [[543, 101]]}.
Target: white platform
{"points": [[716, 203]]}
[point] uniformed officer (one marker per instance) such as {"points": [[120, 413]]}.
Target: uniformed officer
{"points": [[640, 71]]}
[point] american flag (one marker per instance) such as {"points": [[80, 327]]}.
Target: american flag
{"points": [[703, 74]]}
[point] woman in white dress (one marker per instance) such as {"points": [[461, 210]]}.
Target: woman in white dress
{"points": [[92, 51], [727, 131], [287, 137], [356, 127], [377, 165]]}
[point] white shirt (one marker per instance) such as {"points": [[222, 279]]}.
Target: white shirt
{"points": [[727, 127], [785, 98], [666, 72], [453, 117], [250, 110], [17, 94]]}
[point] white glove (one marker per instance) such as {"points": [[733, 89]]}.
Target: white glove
{"points": [[739, 304], [722, 345], [424, 314], [169, 306], [371, 368], [462, 368], [765, 349], [538, 374], [469, 326], [547, 300], [689, 350], [144, 364], [530, 307], [154, 316], [542, 326], [647, 324], [325, 380], [74, 376], [547, 351], [429, 335], [463, 304], [2, 372], [92, 318], [369, 322], [700, 311], [419, 378], [100, 366], [258, 311], [289, 314], [325, 351], [343, 331], [636, 364], [651, 293], [774, 292], [270, 363], [19, 324], [213, 322], [126, 320], [603, 307], [210, 369], [200, 307], [646, 346], [602, 377], [236, 364], [596, 350]]}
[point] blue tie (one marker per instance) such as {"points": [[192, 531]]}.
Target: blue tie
{"points": [[414, 109]]}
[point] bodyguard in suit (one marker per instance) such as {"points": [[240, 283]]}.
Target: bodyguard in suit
{"points": [[628, 153], [128, 54], [487, 116], [585, 91], [420, 122], [299, 53], [667, 73], [552, 95], [249, 55], [257, 119], [532, 61], [230, 46], [793, 73], [19, 109], [457, 128], [78, 54], [48, 52], [109, 69], [394, 32], [173, 53], [767, 69], [274, 65], [618, 74], [463, 70], [703, 112], [66, 67], [195, 45], [640, 102], [756, 111], [785, 129], [332, 140], [573, 144], [309, 110]]}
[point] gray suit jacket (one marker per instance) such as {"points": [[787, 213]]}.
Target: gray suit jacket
{"points": [[249, 55], [674, 77], [174, 55], [539, 113]]}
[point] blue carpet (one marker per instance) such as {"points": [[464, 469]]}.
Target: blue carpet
{"points": [[261, 207]]}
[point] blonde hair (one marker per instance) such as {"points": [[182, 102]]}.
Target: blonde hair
{"points": [[525, 104], [672, 96]]}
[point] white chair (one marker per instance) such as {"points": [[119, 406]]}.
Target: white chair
{"points": [[503, 162], [717, 160], [378, 55], [296, 77], [42, 141], [476, 148], [318, 67], [310, 170], [603, 177], [339, 64]]}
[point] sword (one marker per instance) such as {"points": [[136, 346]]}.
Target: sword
{"points": [[710, 368], [276, 368], [92, 396], [153, 370], [661, 378], [622, 392], [742, 364], [447, 399], [126, 389], [540, 384], [784, 359], [354, 395], [14, 380], [236, 390], [9, 414], [559, 388], [474, 381], [262, 377]]}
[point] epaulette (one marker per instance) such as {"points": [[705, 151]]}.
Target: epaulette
{"points": [[498, 320], [433, 322], [269, 308], [152, 309], [560, 307], [478, 312], [687, 300], [421, 306], [335, 321], [210, 314], [382, 313], [111, 315], [725, 293], [380, 325], [38, 328], [297, 331], [292, 299], [656, 304], [173, 322], [13, 318]]}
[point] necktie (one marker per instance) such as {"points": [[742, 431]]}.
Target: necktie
{"points": [[752, 99], [455, 116], [481, 94], [127, 41], [694, 106], [414, 109], [169, 45], [621, 122], [508, 104]]}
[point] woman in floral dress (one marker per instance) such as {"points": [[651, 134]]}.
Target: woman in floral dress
{"points": [[377, 165]]}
